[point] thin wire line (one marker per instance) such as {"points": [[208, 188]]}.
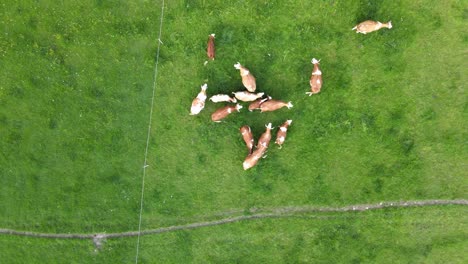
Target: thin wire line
{"points": [[149, 134]]}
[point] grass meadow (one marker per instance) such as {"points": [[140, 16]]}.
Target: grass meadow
{"points": [[390, 124]]}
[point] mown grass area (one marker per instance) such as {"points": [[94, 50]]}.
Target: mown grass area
{"points": [[389, 124]]}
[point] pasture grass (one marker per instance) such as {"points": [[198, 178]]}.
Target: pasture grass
{"points": [[389, 124], [415, 235], [419, 235], [379, 130], [75, 96]]}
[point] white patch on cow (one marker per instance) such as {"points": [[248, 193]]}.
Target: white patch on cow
{"points": [[196, 109], [318, 81], [283, 129], [317, 72]]}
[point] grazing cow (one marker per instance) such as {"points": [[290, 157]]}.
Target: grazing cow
{"points": [[272, 105], [262, 147], [246, 96], [264, 140], [256, 104], [315, 78], [210, 51], [199, 102], [248, 137], [248, 80], [370, 26], [252, 159], [224, 112], [222, 98], [281, 135]]}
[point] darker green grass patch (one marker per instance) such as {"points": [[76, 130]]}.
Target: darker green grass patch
{"points": [[367, 10]]}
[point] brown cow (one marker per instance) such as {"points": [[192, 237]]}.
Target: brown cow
{"points": [[370, 26], [315, 78], [223, 112], [248, 80], [210, 50], [272, 105], [281, 135], [248, 137], [256, 104]]}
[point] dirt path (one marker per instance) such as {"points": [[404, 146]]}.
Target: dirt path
{"points": [[262, 213]]}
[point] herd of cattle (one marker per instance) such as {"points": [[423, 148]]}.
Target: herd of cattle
{"points": [[259, 102]]}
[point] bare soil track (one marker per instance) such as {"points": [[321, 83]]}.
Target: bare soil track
{"points": [[277, 212]]}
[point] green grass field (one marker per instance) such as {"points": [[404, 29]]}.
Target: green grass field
{"points": [[390, 124]]}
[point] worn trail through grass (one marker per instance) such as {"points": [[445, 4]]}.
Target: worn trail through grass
{"points": [[276, 212]]}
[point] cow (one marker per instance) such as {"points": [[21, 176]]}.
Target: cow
{"points": [[272, 105], [264, 140], [370, 26], [246, 96], [248, 137], [262, 147], [248, 80], [222, 98], [315, 78], [210, 50], [199, 102], [281, 135], [256, 104], [223, 112], [252, 159]]}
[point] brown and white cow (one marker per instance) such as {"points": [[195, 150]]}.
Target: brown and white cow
{"points": [[246, 96], [252, 159], [222, 98], [210, 50], [281, 135], [272, 105], [248, 80], [223, 112], [199, 102], [256, 104], [265, 138], [370, 26], [262, 147], [248, 137], [315, 78]]}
